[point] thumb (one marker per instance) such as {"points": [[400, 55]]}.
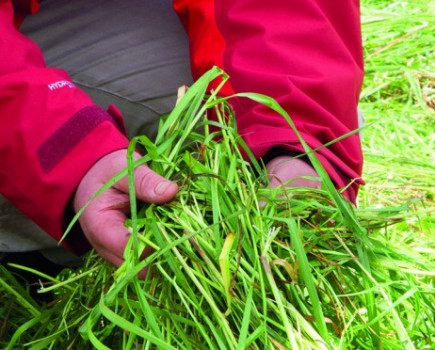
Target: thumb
{"points": [[150, 187]]}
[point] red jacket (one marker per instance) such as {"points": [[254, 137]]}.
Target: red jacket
{"points": [[306, 54]]}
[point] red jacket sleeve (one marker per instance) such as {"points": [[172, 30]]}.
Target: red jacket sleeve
{"points": [[51, 133], [306, 54]]}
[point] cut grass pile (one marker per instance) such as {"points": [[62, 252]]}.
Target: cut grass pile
{"points": [[306, 271]]}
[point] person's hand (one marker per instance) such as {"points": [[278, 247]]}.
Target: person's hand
{"points": [[287, 171], [103, 220]]}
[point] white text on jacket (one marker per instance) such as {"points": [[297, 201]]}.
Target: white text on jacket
{"points": [[60, 84]]}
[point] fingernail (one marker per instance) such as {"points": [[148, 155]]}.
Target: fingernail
{"points": [[161, 187]]}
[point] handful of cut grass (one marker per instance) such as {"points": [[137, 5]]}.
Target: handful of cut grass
{"points": [[303, 272]]}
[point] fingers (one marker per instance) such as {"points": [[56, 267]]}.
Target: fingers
{"points": [[103, 223], [287, 171], [104, 218], [110, 257], [105, 230], [116, 261]]}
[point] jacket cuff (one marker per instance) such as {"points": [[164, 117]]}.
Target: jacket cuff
{"points": [[64, 158]]}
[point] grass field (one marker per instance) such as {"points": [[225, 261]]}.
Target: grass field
{"points": [[365, 282], [398, 101]]}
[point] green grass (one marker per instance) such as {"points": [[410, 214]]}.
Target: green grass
{"points": [[307, 271], [398, 102]]}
